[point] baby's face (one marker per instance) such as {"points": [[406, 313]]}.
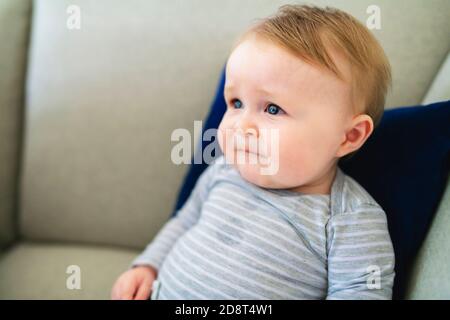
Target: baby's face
{"points": [[268, 88]]}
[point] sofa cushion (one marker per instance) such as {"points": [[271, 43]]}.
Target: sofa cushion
{"points": [[403, 165], [38, 270]]}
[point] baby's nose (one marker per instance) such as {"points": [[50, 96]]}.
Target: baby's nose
{"points": [[247, 126]]}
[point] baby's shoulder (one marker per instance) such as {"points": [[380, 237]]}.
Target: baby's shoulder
{"points": [[355, 196]]}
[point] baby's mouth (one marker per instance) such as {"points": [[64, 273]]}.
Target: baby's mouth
{"points": [[247, 151], [246, 156], [251, 153]]}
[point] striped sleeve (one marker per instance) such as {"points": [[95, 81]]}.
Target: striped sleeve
{"points": [[185, 218], [360, 255]]}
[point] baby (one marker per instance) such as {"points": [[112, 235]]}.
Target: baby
{"points": [[318, 78]]}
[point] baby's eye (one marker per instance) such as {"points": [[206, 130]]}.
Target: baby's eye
{"points": [[237, 104], [273, 109]]}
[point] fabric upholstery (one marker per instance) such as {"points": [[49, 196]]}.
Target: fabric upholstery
{"points": [[38, 270], [101, 103], [429, 277], [440, 87], [14, 31]]}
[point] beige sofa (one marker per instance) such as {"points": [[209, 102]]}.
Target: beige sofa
{"points": [[86, 116]]}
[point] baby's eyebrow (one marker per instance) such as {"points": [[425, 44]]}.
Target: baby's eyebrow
{"points": [[228, 88]]}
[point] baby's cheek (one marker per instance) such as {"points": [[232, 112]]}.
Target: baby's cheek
{"points": [[296, 160], [292, 150], [220, 138], [224, 140]]}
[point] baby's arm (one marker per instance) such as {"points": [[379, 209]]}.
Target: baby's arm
{"points": [[360, 255], [186, 217]]}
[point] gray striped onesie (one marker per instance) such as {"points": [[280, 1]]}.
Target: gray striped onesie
{"points": [[235, 240]]}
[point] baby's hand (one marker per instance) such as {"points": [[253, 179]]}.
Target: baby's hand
{"points": [[134, 284]]}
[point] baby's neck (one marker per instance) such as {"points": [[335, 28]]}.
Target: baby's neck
{"points": [[322, 185]]}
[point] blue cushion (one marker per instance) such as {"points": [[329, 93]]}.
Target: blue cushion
{"points": [[404, 165]]}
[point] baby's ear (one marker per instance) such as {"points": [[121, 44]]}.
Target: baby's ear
{"points": [[360, 129]]}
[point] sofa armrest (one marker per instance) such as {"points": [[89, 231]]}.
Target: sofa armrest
{"points": [[15, 16]]}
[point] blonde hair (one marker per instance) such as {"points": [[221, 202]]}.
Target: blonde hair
{"points": [[307, 31]]}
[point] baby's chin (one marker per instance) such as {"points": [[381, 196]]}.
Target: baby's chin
{"points": [[252, 173], [256, 169]]}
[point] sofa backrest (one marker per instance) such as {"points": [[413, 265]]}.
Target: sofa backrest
{"points": [[103, 100], [440, 87]]}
